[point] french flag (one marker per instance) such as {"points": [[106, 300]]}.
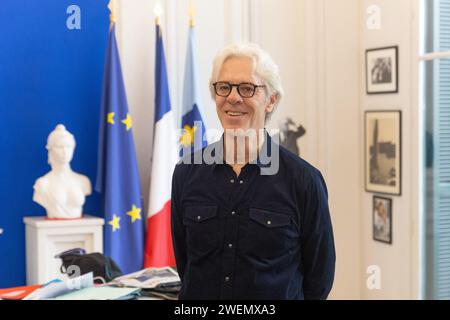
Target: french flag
{"points": [[158, 248]]}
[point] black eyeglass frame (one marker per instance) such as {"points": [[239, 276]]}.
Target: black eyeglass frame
{"points": [[255, 86]]}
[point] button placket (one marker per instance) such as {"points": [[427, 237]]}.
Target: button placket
{"points": [[230, 238]]}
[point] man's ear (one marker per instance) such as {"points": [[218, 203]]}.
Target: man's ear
{"points": [[272, 102]]}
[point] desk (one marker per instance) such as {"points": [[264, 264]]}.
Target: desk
{"points": [[46, 238]]}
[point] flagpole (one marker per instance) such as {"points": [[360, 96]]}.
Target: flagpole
{"points": [[191, 14], [112, 13], [158, 11]]}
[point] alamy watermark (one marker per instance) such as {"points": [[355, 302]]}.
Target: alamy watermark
{"points": [[373, 21], [241, 146], [373, 281], [74, 20]]}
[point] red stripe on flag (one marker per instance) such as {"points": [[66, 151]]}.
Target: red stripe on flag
{"points": [[158, 248]]}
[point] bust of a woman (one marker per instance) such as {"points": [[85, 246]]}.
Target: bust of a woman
{"points": [[61, 191]]}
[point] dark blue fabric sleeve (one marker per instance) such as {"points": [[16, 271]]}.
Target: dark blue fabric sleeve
{"points": [[318, 250], [178, 230]]}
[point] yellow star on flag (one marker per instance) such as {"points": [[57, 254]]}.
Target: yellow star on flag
{"points": [[115, 223], [128, 122], [111, 117], [188, 136], [135, 213]]}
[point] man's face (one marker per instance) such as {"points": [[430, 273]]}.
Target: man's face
{"points": [[234, 111]]}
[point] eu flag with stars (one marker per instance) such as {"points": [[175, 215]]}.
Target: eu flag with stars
{"points": [[192, 123], [117, 172]]}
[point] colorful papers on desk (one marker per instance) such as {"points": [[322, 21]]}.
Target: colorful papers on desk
{"points": [[101, 293], [59, 288]]}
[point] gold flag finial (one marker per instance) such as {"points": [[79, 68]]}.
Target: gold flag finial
{"points": [[191, 14], [158, 11], [112, 14]]}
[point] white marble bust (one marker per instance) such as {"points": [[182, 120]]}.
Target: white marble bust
{"points": [[61, 191]]}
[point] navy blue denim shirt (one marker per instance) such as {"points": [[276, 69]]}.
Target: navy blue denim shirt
{"points": [[252, 236]]}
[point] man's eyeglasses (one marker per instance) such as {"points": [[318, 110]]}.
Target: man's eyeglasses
{"points": [[245, 89]]}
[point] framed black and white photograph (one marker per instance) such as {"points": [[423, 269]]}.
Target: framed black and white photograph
{"points": [[382, 219], [382, 70], [383, 152]]}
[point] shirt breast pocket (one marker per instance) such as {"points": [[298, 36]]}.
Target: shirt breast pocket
{"points": [[202, 228], [269, 234]]}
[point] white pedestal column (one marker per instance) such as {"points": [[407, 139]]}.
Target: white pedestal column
{"points": [[46, 238]]}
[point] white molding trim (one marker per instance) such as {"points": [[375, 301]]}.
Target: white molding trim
{"points": [[237, 16], [246, 17], [254, 34], [321, 83], [311, 85], [170, 36], [417, 190], [315, 87]]}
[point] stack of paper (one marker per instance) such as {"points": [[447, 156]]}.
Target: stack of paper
{"points": [[161, 283], [149, 278], [55, 289], [101, 293]]}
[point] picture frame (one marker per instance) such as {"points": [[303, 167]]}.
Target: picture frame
{"points": [[382, 219], [382, 70], [383, 168]]}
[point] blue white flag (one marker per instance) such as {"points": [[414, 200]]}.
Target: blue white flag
{"points": [[192, 123]]}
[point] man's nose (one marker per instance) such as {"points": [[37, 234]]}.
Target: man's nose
{"points": [[234, 96]]}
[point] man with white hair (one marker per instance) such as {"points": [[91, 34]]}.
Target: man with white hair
{"points": [[254, 223]]}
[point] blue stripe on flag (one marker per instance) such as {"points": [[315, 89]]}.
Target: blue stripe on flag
{"points": [[162, 103]]}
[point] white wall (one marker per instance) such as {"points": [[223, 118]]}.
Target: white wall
{"points": [[399, 262], [339, 152], [319, 46]]}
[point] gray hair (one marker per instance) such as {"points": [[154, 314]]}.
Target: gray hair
{"points": [[263, 66]]}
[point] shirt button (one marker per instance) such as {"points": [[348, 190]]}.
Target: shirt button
{"points": [[233, 213], [230, 245], [269, 222], [232, 181], [241, 181], [227, 279]]}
